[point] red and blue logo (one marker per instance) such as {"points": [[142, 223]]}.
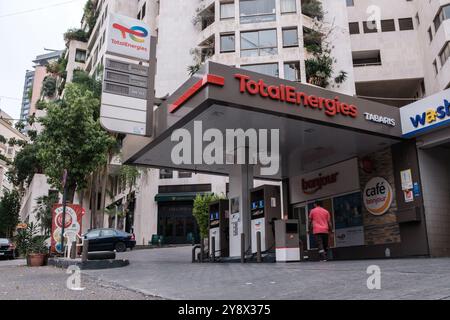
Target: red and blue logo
{"points": [[136, 33]]}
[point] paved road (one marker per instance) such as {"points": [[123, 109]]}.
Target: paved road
{"points": [[18, 282], [168, 273]]}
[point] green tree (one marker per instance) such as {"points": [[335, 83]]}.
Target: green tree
{"points": [[9, 212], [43, 212], [73, 139], [25, 166], [201, 212]]}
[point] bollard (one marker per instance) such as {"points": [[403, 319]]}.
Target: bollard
{"points": [[242, 248], [213, 249], [84, 257], [258, 247], [202, 251], [194, 249], [73, 250]]}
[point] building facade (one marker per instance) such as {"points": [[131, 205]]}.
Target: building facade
{"points": [[393, 53]]}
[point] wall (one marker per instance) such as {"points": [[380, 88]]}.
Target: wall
{"points": [[37, 188], [435, 175]]}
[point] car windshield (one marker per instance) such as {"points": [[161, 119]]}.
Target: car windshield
{"points": [[4, 241]]}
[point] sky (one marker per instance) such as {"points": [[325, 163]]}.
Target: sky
{"points": [[26, 28]]}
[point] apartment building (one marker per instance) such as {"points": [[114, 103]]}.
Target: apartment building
{"points": [[399, 48], [400, 58]]}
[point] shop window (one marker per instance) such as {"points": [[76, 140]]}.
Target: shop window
{"points": [[227, 43], [292, 71], [290, 37], [270, 69], [253, 11], [259, 43]]}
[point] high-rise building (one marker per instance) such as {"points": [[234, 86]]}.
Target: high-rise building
{"points": [[27, 93]]}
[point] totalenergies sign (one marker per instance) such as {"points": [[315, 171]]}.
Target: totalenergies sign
{"points": [[427, 114], [378, 196], [289, 94], [128, 37]]}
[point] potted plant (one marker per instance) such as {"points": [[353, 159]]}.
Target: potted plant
{"points": [[32, 246]]}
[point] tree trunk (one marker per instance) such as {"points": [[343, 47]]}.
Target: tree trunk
{"points": [[103, 197]]}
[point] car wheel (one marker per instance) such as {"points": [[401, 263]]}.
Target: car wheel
{"points": [[121, 247]]}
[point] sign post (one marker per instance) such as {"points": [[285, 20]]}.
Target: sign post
{"points": [[129, 77]]}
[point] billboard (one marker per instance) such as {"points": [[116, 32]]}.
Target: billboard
{"points": [[128, 37], [73, 225]]}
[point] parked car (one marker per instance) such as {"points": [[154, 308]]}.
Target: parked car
{"points": [[8, 249], [109, 240]]}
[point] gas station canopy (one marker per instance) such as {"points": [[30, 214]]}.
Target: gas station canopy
{"points": [[317, 127]]}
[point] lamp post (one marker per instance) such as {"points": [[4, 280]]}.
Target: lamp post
{"points": [[64, 184]]}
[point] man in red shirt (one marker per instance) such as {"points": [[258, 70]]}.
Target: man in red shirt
{"points": [[320, 226]]}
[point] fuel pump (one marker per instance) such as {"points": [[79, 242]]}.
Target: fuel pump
{"points": [[219, 228], [265, 209]]}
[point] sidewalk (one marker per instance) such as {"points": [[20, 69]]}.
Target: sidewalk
{"points": [[168, 273]]}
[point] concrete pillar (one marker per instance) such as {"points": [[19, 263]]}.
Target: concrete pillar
{"points": [[241, 181]]}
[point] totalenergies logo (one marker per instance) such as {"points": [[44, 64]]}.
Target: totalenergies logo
{"points": [[432, 115], [136, 33]]}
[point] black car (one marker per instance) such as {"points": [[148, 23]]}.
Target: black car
{"points": [[8, 249], [109, 240]]}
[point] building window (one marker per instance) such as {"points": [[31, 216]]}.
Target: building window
{"points": [[253, 11], [354, 27], [165, 174], [366, 58], [80, 56], [388, 25], [288, 6], [292, 71], [445, 54], [370, 26], [270, 69], [290, 37], [444, 14], [184, 175], [435, 67], [227, 42], [227, 10], [259, 43], [430, 34], [406, 24], [350, 3]]}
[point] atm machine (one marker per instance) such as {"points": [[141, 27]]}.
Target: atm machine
{"points": [[219, 228], [265, 209]]}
